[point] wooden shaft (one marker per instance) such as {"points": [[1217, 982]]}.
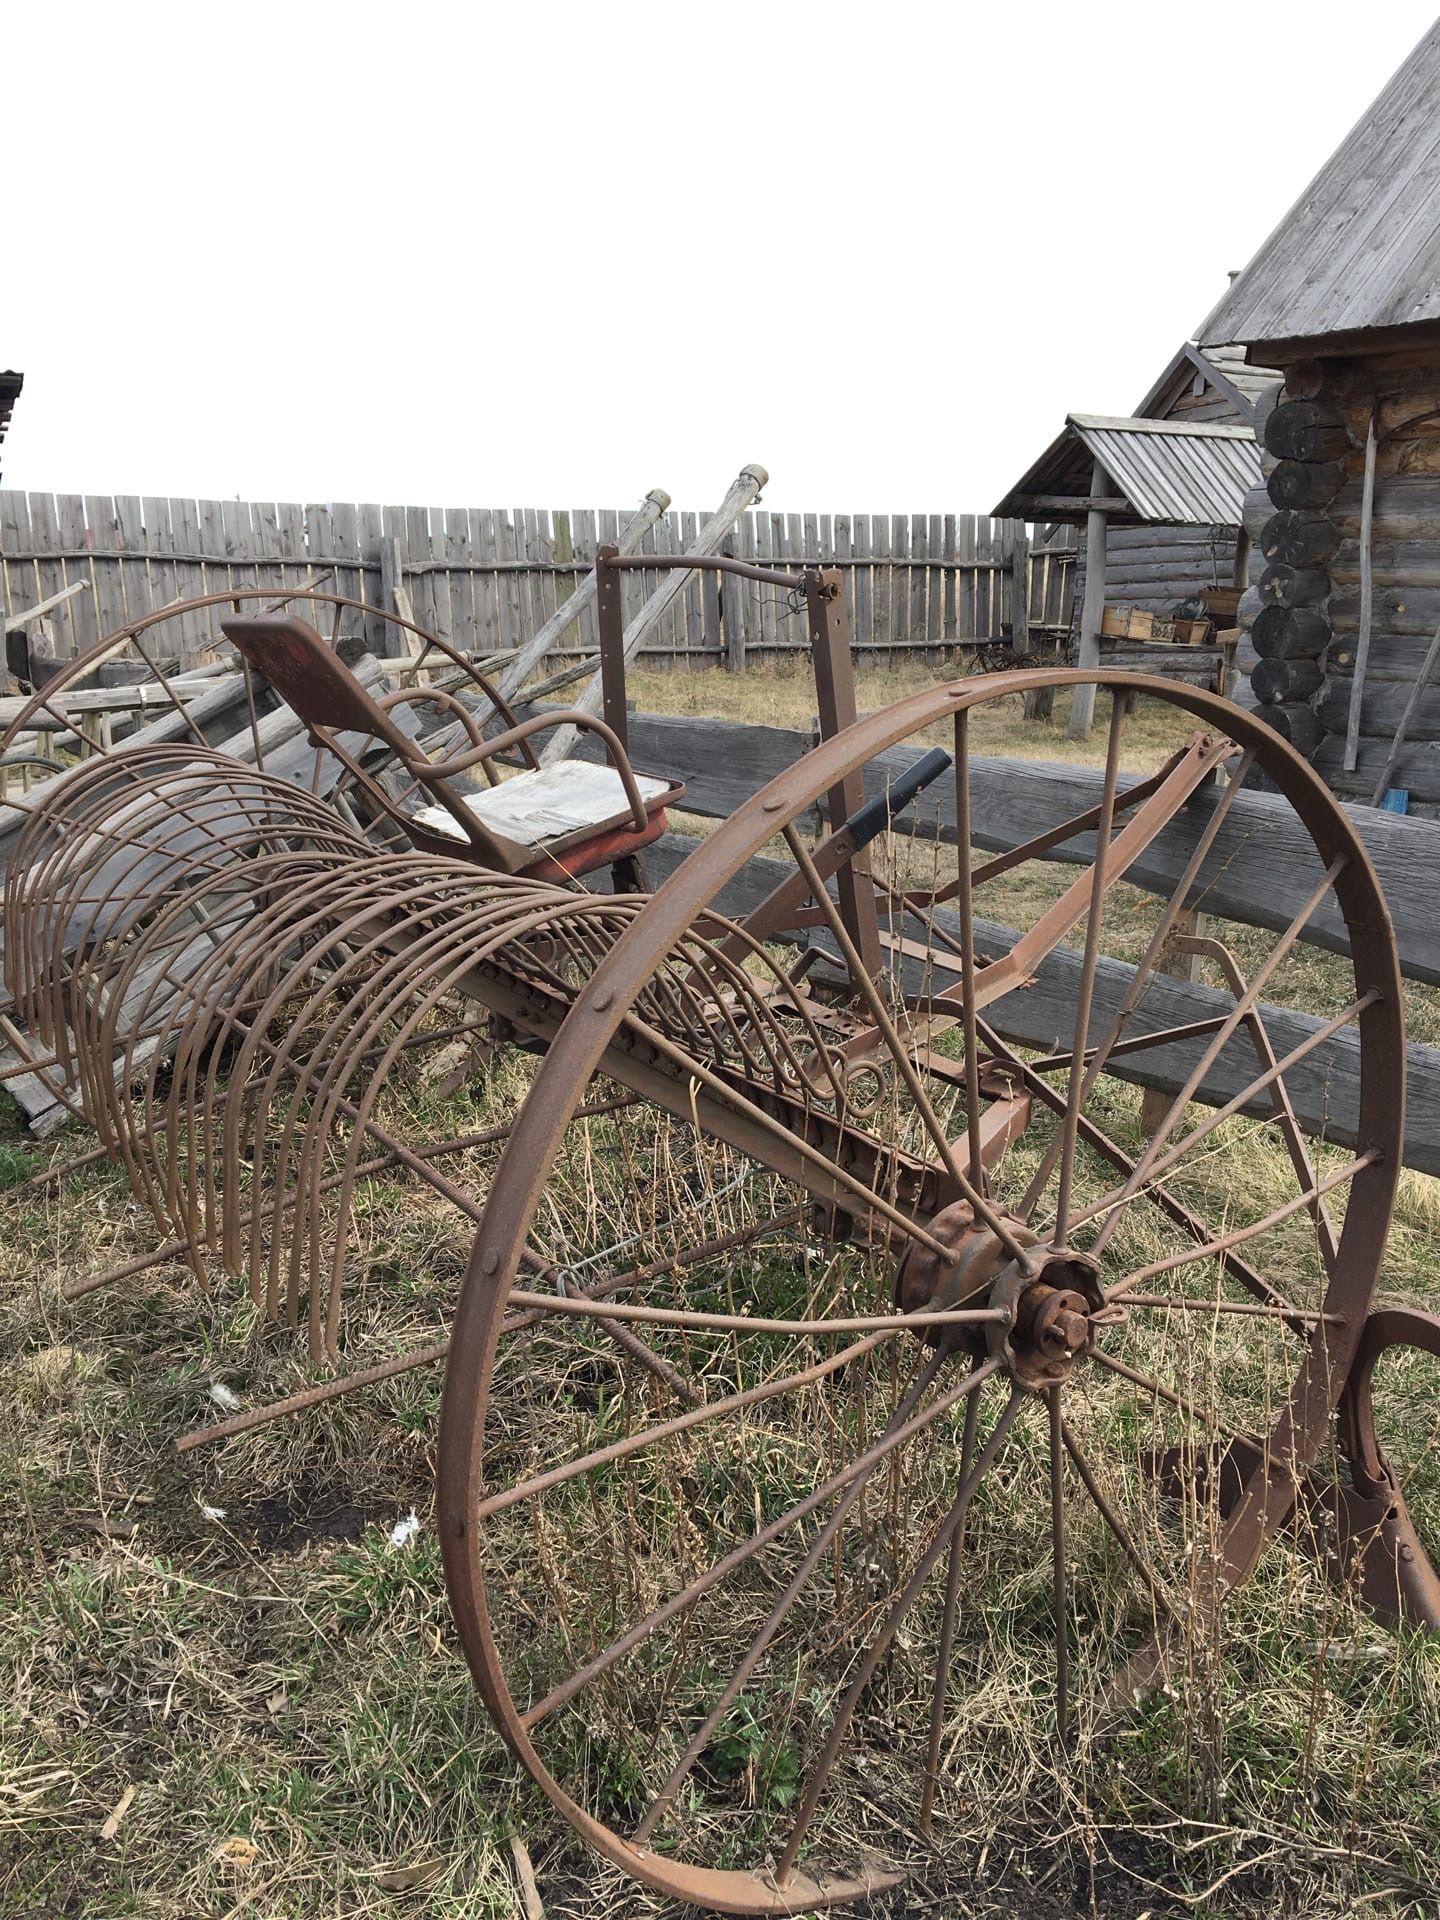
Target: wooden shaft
{"points": [[744, 490], [1082, 699], [1362, 643], [654, 505]]}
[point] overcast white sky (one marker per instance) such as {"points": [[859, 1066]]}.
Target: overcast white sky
{"points": [[556, 255]]}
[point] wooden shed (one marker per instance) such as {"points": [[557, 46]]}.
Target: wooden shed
{"points": [[1344, 298], [1158, 566], [1165, 480]]}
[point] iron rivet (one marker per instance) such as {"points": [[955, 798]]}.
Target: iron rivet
{"points": [[490, 1261], [604, 999]]}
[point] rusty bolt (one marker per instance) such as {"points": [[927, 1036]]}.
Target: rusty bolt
{"points": [[1067, 1332]]}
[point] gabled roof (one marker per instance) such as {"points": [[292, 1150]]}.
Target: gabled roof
{"points": [[1166, 472], [1223, 366], [1360, 249]]}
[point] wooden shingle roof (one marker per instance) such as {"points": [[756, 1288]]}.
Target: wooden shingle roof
{"points": [[1360, 249]]}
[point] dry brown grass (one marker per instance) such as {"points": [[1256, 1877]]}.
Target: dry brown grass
{"points": [[785, 697]]}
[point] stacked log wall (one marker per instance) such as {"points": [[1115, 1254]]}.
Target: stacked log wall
{"points": [[1157, 568], [1303, 616]]}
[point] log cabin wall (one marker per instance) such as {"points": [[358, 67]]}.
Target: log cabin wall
{"points": [[1158, 567], [1304, 617]]}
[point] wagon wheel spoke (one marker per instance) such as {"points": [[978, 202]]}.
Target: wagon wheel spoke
{"points": [[874, 1002], [895, 1046], [1084, 993], [895, 1435], [1159, 1391], [1009, 970], [1144, 972], [950, 1608], [1278, 1093], [910, 1593], [701, 1738], [1203, 1241], [1059, 1578], [965, 901], [1153, 1162], [1239, 1236], [1086, 1474]]}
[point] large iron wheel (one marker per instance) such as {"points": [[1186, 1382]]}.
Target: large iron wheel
{"points": [[913, 1292]]}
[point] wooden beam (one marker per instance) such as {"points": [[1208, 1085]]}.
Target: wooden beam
{"points": [[1325, 1086], [1261, 869], [655, 504], [1082, 698], [744, 489], [1058, 505], [1367, 603], [16, 621]]}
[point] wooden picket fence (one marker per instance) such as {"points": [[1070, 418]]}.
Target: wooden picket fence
{"points": [[486, 579]]}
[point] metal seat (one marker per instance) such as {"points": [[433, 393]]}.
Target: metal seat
{"points": [[545, 822]]}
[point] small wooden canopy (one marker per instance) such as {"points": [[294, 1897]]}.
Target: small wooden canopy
{"points": [[1156, 472]]}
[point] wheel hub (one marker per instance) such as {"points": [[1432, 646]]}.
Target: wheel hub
{"points": [[1052, 1325], [1050, 1308]]}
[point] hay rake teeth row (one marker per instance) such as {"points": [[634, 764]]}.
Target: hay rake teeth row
{"points": [[873, 1288]]}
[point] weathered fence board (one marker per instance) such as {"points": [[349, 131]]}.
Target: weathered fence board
{"points": [[1261, 869], [487, 579], [1324, 1087]]}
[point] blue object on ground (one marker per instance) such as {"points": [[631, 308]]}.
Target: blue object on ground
{"points": [[1397, 800]]}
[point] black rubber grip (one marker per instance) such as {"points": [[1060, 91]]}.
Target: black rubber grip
{"points": [[877, 814]]}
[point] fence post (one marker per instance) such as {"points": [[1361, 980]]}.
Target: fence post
{"points": [[732, 617], [393, 597], [1039, 704], [1020, 593], [1082, 699], [744, 489]]}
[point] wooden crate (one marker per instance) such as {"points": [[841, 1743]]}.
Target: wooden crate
{"points": [[1193, 633], [1222, 604], [1126, 623]]}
